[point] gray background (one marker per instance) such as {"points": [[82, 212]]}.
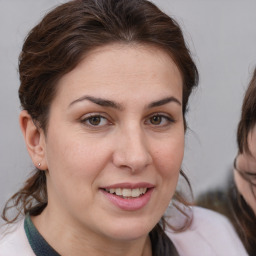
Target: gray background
{"points": [[222, 37]]}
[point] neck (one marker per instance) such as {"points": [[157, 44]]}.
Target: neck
{"points": [[78, 241]]}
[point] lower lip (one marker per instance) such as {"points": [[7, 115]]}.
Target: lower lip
{"points": [[131, 204]]}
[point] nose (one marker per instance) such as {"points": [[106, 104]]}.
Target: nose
{"points": [[132, 150]]}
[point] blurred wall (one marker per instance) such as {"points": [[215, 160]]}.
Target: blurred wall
{"points": [[222, 37]]}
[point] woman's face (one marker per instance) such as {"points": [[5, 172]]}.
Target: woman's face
{"points": [[115, 142], [246, 163]]}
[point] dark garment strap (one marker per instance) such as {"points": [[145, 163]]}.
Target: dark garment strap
{"points": [[36, 241]]}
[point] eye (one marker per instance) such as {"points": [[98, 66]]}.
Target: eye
{"points": [[95, 120], [159, 120], [156, 120]]}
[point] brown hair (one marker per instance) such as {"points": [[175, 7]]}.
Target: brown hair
{"points": [[248, 116], [244, 216], [231, 203], [243, 219], [59, 42]]}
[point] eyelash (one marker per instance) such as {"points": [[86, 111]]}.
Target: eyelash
{"points": [[167, 119], [87, 120]]}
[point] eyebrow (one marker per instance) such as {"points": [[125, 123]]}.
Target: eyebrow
{"points": [[163, 102], [98, 101], [112, 104]]}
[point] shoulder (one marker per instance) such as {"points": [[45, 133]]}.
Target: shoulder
{"points": [[210, 233], [13, 240], [202, 216]]}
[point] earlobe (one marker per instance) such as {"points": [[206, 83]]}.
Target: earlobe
{"points": [[34, 139]]}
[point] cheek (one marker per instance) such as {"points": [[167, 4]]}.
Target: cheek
{"points": [[169, 156], [240, 184], [74, 158], [168, 159]]}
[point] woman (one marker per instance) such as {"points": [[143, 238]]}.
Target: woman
{"points": [[245, 171], [104, 90], [238, 203]]}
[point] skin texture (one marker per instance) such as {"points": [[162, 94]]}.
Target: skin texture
{"points": [[247, 163], [135, 140]]}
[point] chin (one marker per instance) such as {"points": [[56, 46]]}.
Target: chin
{"points": [[130, 230]]}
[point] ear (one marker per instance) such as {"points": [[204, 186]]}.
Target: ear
{"points": [[34, 139]]}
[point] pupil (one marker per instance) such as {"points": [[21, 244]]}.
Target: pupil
{"points": [[95, 120], [156, 120]]}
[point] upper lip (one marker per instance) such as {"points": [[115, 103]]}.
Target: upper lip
{"points": [[130, 185]]}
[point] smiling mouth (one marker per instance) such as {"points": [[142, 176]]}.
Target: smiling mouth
{"points": [[127, 193]]}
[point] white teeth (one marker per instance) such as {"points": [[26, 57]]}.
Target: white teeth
{"points": [[136, 192], [112, 190], [127, 192], [118, 191], [143, 190]]}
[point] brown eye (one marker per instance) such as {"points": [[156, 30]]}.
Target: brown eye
{"points": [[159, 120], [156, 120], [95, 120]]}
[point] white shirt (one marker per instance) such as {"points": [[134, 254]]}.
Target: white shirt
{"points": [[210, 234], [14, 242]]}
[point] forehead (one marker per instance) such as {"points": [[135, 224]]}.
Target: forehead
{"points": [[123, 68]]}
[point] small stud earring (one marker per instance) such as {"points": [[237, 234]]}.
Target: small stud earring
{"points": [[39, 164]]}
